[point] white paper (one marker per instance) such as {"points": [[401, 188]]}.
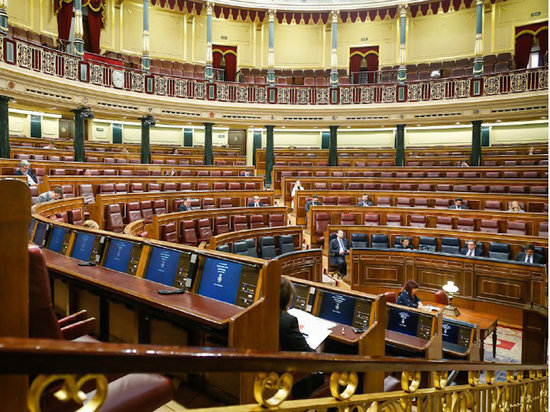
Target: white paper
{"points": [[314, 329]]}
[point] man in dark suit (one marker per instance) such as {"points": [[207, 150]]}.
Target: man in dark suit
{"points": [[313, 202], [528, 255], [338, 249], [364, 201], [25, 170], [255, 202], [186, 205], [458, 204], [471, 249]]}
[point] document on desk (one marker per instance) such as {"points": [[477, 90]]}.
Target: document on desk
{"points": [[314, 329]]}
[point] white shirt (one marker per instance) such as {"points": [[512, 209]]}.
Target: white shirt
{"points": [[528, 259], [470, 252], [341, 243]]}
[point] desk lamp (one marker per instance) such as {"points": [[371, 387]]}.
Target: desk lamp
{"points": [[451, 290]]}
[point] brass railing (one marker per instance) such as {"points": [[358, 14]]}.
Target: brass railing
{"points": [[524, 389]]}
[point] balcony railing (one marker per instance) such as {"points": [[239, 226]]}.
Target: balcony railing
{"points": [[38, 58], [490, 387]]}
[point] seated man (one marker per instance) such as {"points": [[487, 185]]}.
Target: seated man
{"points": [[528, 255], [186, 205], [471, 249], [364, 201], [338, 249], [25, 170], [313, 202], [54, 194], [458, 205], [255, 202]]}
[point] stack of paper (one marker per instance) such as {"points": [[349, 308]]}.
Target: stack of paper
{"points": [[314, 329]]}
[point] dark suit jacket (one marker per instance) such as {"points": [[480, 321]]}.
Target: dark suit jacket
{"points": [[405, 299], [334, 249], [251, 204], [310, 203], [184, 208], [477, 251], [30, 173], [290, 337], [367, 203], [461, 207], [520, 257]]}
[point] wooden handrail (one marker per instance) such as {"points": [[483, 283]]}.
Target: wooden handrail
{"points": [[29, 356]]}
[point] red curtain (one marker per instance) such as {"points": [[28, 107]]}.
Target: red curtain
{"points": [[357, 54], [525, 37], [229, 53], [543, 42], [64, 16]]}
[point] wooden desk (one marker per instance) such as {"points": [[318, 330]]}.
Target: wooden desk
{"points": [[413, 343]]}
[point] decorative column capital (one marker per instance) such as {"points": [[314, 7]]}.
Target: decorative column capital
{"points": [[271, 14], [402, 9], [210, 7], [479, 2], [3, 4], [334, 15]]}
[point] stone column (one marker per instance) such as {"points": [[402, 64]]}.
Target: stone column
{"points": [[400, 145], [334, 51], [333, 146], [146, 123], [78, 29], [402, 72], [475, 155], [270, 52], [4, 127], [4, 16], [478, 49], [145, 61], [208, 152], [269, 155], [209, 71]]}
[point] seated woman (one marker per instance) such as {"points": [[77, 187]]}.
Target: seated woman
{"points": [[407, 296], [291, 339], [515, 207], [405, 244]]}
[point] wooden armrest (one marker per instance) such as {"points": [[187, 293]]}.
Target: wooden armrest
{"points": [[75, 317], [78, 329]]}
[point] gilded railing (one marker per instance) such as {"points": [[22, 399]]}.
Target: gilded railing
{"points": [[524, 388], [38, 58]]}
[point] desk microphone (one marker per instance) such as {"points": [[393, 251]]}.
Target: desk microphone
{"points": [[171, 292]]}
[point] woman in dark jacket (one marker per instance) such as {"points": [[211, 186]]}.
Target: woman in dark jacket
{"points": [[407, 296]]}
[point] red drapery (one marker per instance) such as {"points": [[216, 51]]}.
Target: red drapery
{"points": [[357, 55], [94, 31], [525, 37], [64, 13], [229, 54]]}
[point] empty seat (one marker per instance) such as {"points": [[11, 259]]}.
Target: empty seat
{"points": [[336, 186], [267, 247], [251, 247], [121, 188], [250, 186], [417, 221], [344, 200], [383, 201], [286, 243], [444, 222], [276, 220], [221, 224], [488, 225], [188, 233], [379, 241], [153, 187], [497, 189], [517, 189], [330, 200], [109, 172], [239, 223], [516, 228], [539, 190], [147, 210], [460, 188], [107, 188], [443, 188], [420, 202], [322, 220], [465, 223], [159, 206], [354, 186], [75, 217], [115, 223], [133, 212], [492, 205], [208, 203], [424, 187], [240, 248], [403, 202], [168, 232], [427, 243], [219, 186], [359, 240], [225, 202], [450, 245], [499, 251], [543, 229], [393, 219], [204, 230], [441, 203], [224, 248], [136, 187], [478, 188], [347, 219], [256, 221], [371, 219], [170, 187], [234, 186], [67, 191]]}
